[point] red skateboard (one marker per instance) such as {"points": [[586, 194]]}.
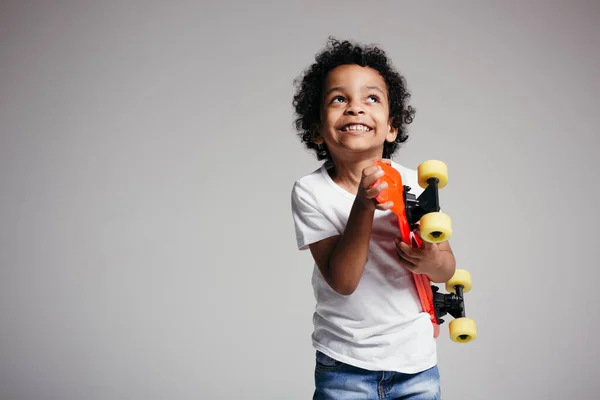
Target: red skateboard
{"points": [[423, 214]]}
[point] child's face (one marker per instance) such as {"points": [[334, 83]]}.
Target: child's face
{"points": [[355, 113]]}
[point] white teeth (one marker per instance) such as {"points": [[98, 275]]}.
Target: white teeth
{"points": [[356, 128]]}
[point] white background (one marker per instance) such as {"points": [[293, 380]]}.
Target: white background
{"points": [[147, 155]]}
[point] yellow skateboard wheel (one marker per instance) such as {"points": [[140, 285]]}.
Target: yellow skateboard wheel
{"points": [[461, 277], [462, 330], [435, 227], [432, 169]]}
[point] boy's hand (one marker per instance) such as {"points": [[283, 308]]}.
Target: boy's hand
{"points": [[367, 191], [427, 259]]}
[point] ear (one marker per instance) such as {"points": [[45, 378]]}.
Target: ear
{"points": [[316, 137], [392, 132]]}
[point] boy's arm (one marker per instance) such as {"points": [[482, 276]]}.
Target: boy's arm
{"points": [[342, 258]]}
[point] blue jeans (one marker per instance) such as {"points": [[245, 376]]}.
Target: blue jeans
{"points": [[335, 380]]}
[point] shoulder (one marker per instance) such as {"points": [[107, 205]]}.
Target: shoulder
{"points": [[403, 169], [312, 220], [311, 183], [409, 175]]}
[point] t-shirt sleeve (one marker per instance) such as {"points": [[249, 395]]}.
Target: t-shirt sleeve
{"points": [[310, 223]]}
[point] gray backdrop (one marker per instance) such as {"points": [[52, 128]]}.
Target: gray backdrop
{"points": [[147, 155]]}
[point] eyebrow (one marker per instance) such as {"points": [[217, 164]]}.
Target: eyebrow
{"points": [[377, 88], [341, 88]]}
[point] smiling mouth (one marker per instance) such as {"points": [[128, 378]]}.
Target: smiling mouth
{"points": [[356, 128]]}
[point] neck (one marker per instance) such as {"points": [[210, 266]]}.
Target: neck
{"points": [[347, 173]]}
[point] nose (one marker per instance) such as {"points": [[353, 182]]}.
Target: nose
{"points": [[355, 108]]}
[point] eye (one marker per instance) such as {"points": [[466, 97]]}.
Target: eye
{"points": [[337, 98], [374, 97]]}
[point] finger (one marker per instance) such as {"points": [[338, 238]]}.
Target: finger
{"points": [[413, 262], [376, 190], [409, 251], [409, 261], [370, 170], [406, 263], [385, 206], [370, 178], [412, 265]]}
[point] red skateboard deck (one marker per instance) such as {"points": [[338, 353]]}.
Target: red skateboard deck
{"points": [[395, 193]]}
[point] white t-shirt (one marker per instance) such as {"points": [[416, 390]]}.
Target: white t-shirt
{"points": [[381, 326]]}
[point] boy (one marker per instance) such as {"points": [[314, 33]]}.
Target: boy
{"points": [[371, 336]]}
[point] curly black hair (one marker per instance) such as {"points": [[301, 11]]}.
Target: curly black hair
{"points": [[308, 97]]}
